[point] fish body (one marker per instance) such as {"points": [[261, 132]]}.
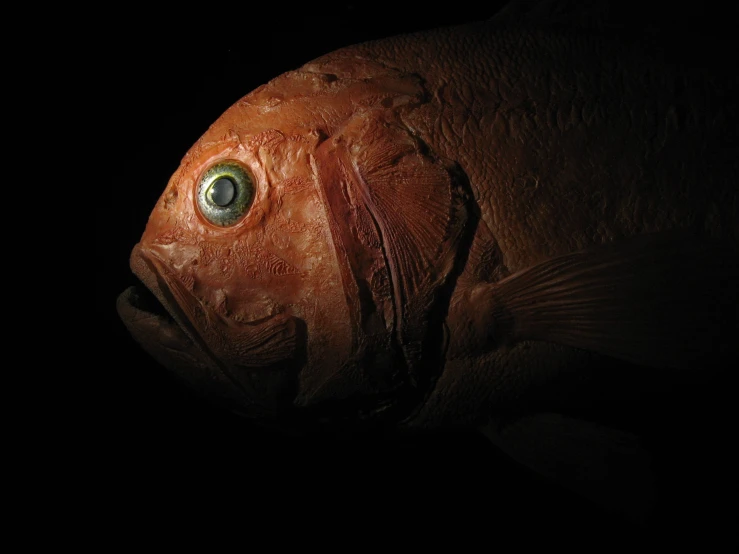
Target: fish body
{"points": [[412, 205]]}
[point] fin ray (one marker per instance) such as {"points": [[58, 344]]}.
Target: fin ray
{"points": [[667, 300]]}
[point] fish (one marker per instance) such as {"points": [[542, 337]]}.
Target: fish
{"points": [[376, 238]]}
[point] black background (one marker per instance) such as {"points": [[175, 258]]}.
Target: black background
{"points": [[171, 452]]}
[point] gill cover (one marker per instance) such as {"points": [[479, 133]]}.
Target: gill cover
{"points": [[398, 215]]}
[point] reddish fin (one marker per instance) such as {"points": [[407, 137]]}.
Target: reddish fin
{"points": [[664, 300]]}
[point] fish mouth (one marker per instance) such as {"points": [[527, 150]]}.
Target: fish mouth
{"points": [[151, 308], [159, 334], [138, 308], [163, 318], [160, 328]]}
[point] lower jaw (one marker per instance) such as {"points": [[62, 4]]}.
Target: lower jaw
{"points": [[164, 340]]}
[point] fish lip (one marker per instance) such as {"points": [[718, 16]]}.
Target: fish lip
{"points": [[156, 331], [153, 273], [144, 266], [156, 322], [162, 338], [132, 306]]}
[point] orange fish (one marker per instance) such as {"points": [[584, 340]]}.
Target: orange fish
{"points": [[414, 231]]}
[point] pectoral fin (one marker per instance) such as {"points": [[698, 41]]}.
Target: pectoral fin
{"points": [[607, 466], [664, 300]]}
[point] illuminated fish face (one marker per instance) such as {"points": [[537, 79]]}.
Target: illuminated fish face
{"points": [[239, 250], [284, 247]]}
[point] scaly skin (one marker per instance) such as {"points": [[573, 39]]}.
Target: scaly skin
{"points": [[568, 141], [539, 143]]}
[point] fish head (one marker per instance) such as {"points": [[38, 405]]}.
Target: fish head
{"points": [[277, 289], [238, 250]]}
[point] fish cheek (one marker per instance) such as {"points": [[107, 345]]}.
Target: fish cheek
{"points": [[305, 277], [284, 265]]}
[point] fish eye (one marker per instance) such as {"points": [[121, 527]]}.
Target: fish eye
{"points": [[225, 193]]}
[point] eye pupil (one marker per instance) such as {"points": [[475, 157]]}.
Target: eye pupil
{"points": [[222, 192]]}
